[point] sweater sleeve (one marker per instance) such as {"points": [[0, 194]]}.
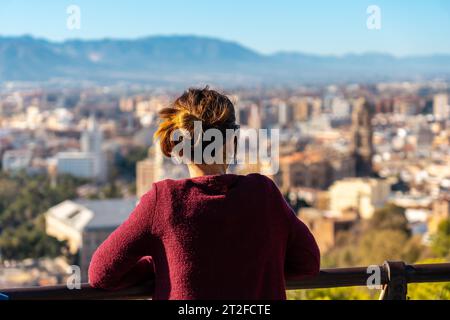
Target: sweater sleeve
{"points": [[123, 259], [302, 258], [302, 253]]}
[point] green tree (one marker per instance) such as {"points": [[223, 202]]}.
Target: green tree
{"points": [[23, 200], [440, 242], [390, 217], [430, 291], [379, 245], [385, 236], [349, 293], [29, 241], [126, 165], [111, 191]]}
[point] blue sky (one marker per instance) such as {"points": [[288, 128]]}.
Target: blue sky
{"points": [[317, 26]]}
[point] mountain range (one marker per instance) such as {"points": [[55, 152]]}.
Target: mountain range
{"points": [[193, 59]]}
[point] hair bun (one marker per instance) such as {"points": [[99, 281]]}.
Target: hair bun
{"points": [[186, 120], [212, 109]]}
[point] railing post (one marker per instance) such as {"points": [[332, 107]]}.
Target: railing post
{"points": [[396, 287]]}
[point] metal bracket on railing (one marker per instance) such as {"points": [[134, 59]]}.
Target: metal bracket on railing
{"points": [[396, 287]]}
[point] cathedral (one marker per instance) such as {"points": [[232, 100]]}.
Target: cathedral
{"points": [[362, 145]]}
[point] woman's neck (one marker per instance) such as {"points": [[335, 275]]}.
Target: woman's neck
{"points": [[196, 170]]}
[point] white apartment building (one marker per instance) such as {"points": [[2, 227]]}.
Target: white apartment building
{"points": [[85, 224], [441, 107]]}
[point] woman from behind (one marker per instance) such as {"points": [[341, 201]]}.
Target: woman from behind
{"points": [[212, 236]]}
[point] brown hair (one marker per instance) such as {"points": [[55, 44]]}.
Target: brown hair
{"points": [[213, 109]]}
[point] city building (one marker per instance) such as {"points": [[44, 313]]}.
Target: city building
{"points": [[407, 106], [155, 168], [305, 169], [255, 117], [365, 195], [85, 224], [302, 109], [441, 106], [90, 162], [440, 212], [340, 108], [92, 138], [362, 145], [314, 168], [16, 160], [324, 228], [148, 171], [79, 164], [285, 113]]}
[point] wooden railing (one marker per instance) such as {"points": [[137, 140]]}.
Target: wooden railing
{"points": [[393, 277]]}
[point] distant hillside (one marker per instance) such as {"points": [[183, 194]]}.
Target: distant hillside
{"points": [[189, 59]]}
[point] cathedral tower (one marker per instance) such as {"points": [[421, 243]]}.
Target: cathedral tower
{"points": [[362, 146]]}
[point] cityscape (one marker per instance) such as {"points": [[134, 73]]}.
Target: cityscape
{"points": [[342, 159]]}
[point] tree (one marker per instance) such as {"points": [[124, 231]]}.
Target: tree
{"points": [[344, 253], [377, 246], [29, 241], [126, 165], [385, 236], [440, 242], [390, 217], [111, 191], [430, 291], [23, 200], [350, 293]]}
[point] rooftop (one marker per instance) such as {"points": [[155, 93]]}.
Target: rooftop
{"points": [[93, 214]]}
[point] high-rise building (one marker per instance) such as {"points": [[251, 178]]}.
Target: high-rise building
{"points": [[302, 109], [148, 171], [441, 107], [92, 138], [362, 145], [340, 108], [90, 162], [155, 168], [254, 118], [284, 113], [316, 106]]}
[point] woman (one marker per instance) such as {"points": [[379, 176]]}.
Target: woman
{"points": [[213, 236]]}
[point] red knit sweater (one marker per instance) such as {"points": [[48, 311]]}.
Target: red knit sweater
{"points": [[211, 237]]}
